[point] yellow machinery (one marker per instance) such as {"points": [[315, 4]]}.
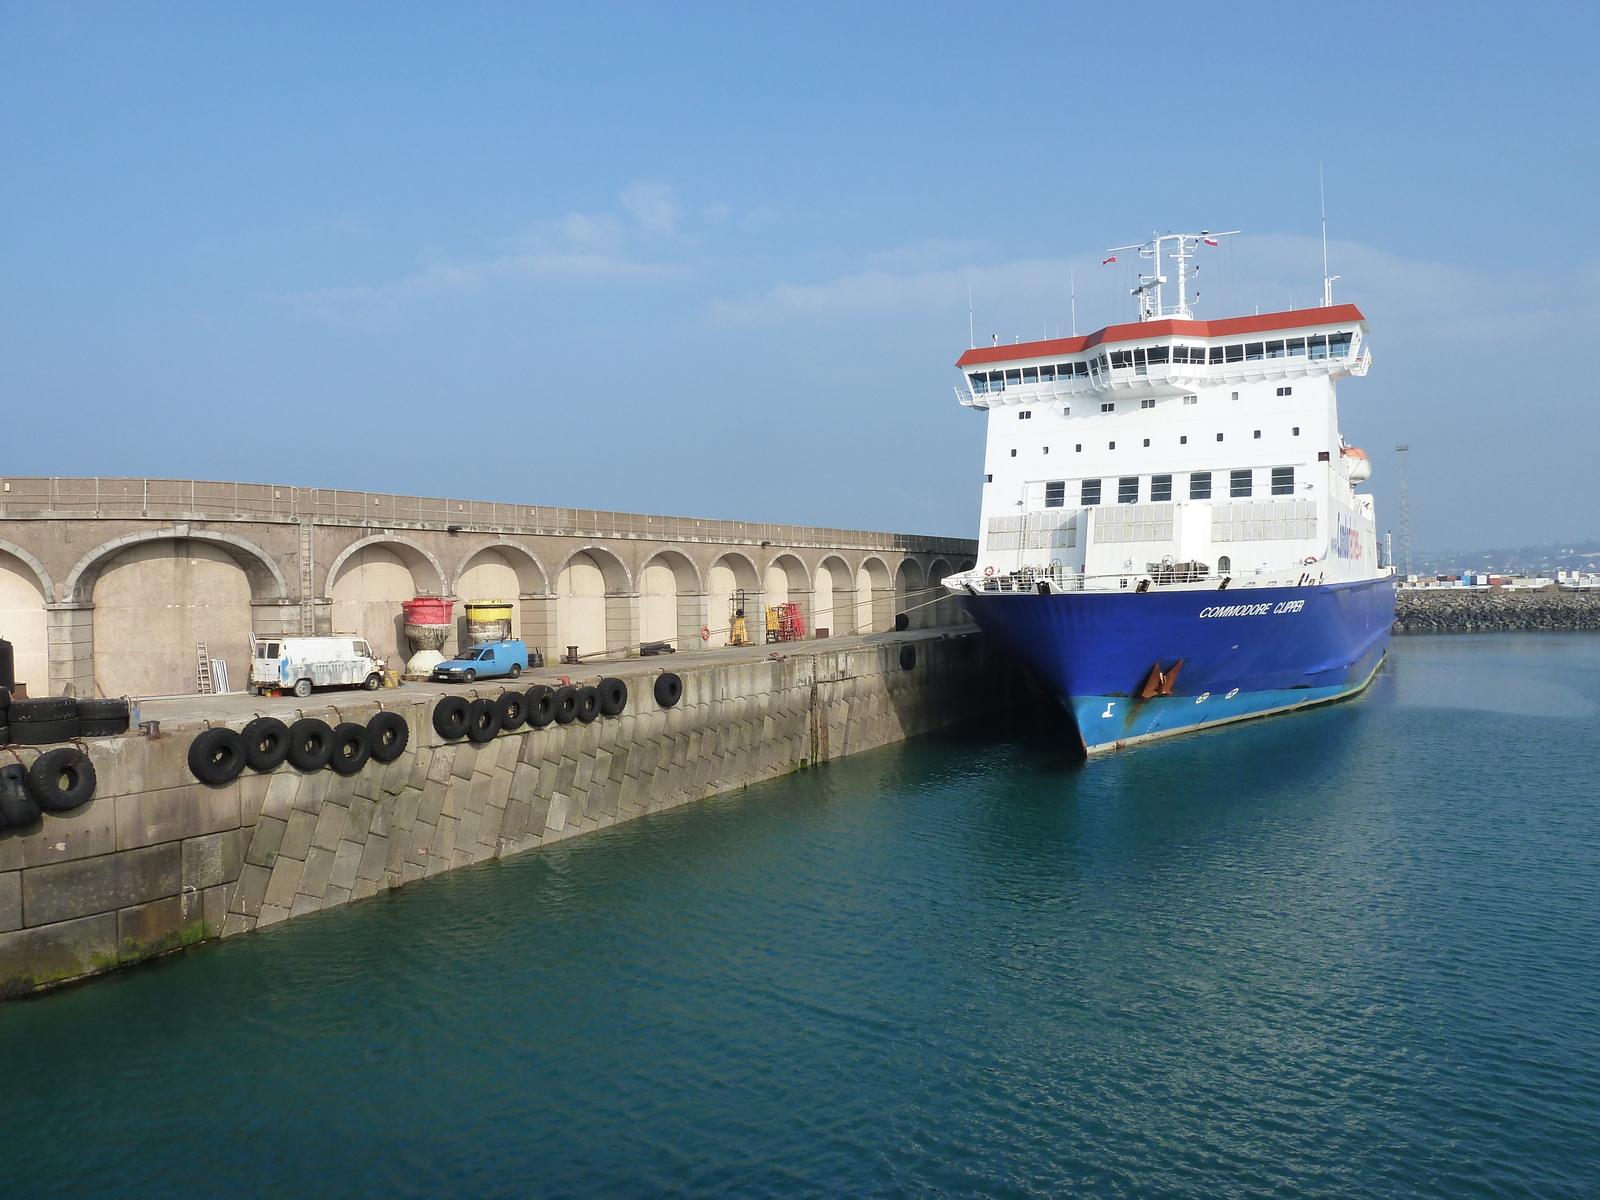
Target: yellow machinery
{"points": [[737, 636]]}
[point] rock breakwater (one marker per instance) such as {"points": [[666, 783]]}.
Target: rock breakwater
{"points": [[1451, 610]]}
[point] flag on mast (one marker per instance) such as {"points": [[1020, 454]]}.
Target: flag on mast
{"points": [[1112, 259], [1210, 241]]}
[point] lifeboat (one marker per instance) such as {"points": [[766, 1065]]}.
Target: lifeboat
{"points": [[1357, 465]]}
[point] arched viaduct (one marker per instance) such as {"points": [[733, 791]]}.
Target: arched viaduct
{"points": [[108, 585]]}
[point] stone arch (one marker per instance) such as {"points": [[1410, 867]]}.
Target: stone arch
{"points": [[25, 589], [833, 597], [501, 569], [266, 579], [368, 582], [596, 605], [908, 592], [730, 574], [945, 610], [672, 600], [874, 596], [788, 581]]}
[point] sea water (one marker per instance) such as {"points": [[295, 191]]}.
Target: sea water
{"points": [[1353, 951]]}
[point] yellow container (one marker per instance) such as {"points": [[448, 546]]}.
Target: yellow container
{"points": [[489, 610]]}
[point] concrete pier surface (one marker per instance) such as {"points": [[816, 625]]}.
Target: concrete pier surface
{"points": [[158, 860]]}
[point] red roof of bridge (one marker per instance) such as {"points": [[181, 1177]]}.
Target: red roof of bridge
{"points": [[1143, 331]]}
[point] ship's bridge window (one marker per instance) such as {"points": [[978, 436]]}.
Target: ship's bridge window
{"points": [[979, 382], [1236, 353], [1139, 360], [1180, 354], [1275, 349], [1089, 492], [1047, 374], [1157, 355], [1253, 351], [1283, 481], [1128, 489], [1160, 488], [1014, 378], [1317, 346], [1083, 369], [1339, 345], [1121, 359], [1200, 485], [1239, 483], [997, 381], [1030, 374], [1216, 354], [1055, 494], [1295, 347]]}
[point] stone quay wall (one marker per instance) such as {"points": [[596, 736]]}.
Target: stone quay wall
{"points": [[1457, 610], [158, 861]]}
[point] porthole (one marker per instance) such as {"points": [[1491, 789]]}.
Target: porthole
{"points": [[1147, 441]]}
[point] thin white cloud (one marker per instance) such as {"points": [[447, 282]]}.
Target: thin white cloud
{"points": [[651, 205]]}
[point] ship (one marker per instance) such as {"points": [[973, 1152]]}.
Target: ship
{"points": [[1172, 533]]}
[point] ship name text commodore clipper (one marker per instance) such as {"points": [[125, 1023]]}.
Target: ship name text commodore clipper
{"points": [[1171, 535]]}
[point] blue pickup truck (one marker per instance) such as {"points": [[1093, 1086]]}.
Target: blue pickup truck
{"points": [[485, 661]]}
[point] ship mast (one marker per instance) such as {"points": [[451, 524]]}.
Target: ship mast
{"points": [[1151, 307]]}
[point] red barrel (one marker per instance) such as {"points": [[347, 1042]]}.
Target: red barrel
{"points": [[427, 610]]}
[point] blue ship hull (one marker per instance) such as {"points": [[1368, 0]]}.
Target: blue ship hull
{"points": [[1244, 652]]}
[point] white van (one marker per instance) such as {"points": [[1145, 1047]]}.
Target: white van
{"points": [[299, 664]]}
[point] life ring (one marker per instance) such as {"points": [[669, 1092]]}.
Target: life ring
{"points": [[988, 570], [705, 633]]}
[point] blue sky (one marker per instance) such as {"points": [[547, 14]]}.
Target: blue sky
{"points": [[714, 260]]}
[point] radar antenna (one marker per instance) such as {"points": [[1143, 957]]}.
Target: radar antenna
{"points": [[1151, 307]]}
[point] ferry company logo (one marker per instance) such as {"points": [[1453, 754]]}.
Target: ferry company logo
{"points": [[1346, 539], [1253, 610]]}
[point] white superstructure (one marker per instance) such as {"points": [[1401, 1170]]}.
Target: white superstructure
{"points": [[1174, 451]]}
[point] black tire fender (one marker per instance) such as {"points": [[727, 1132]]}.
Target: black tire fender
{"points": [[216, 756], [103, 718], [266, 743], [42, 733], [588, 701], [63, 779], [668, 689], [564, 704], [513, 710], [310, 744], [540, 703], [613, 696], [908, 657], [388, 734], [17, 808], [42, 709], [450, 718], [483, 721], [902, 622], [351, 748]]}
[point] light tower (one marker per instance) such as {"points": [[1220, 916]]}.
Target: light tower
{"points": [[1405, 510]]}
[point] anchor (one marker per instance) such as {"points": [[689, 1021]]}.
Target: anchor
{"points": [[1159, 682]]}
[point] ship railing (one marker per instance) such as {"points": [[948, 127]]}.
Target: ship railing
{"points": [[1045, 580]]}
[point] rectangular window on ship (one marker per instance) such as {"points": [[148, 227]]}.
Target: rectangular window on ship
{"points": [[1030, 374], [1216, 354], [1157, 355], [1055, 494], [1253, 351], [1200, 485], [1318, 346], [1128, 489], [997, 381], [1239, 483], [1235, 353], [1014, 378], [1121, 358], [1275, 349], [1160, 488], [1283, 481], [1089, 493], [980, 383], [1338, 345], [1047, 374]]}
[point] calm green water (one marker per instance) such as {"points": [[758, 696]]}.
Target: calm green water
{"points": [[1353, 952]]}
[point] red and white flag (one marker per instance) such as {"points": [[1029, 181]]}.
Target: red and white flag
{"points": [[1210, 241], [1112, 259]]}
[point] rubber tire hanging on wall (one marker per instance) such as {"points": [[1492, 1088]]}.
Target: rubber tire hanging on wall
{"points": [[63, 779], [450, 718], [668, 689], [103, 718], [565, 704], [513, 710], [351, 748], [613, 696], [540, 703], [388, 734], [483, 721], [17, 808], [908, 658], [310, 744], [266, 743], [588, 702], [216, 756], [42, 733], [902, 622]]}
